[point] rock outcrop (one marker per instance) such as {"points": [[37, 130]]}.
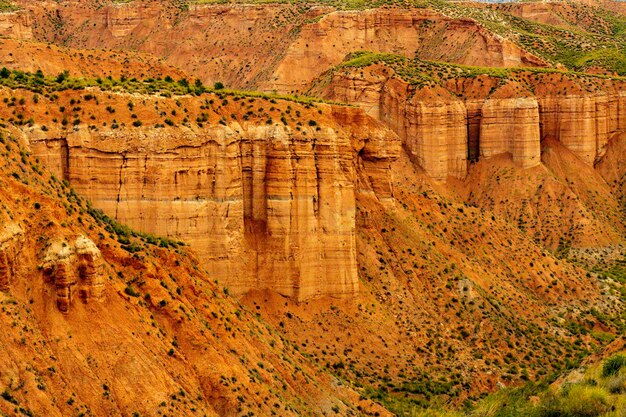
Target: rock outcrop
{"points": [[445, 125], [11, 239], [431, 123], [264, 206], [17, 25], [325, 43], [581, 123], [511, 126], [279, 47], [75, 268]]}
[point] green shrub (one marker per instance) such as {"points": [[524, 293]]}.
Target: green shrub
{"points": [[131, 291], [612, 366]]}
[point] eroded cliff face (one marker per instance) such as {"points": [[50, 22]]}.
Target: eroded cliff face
{"points": [[11, 239], [416, 32], [273, 47], [583, 123], [74, 268], [431, 123], [163, 337], [444, 126], [263, 205], [435, 135], [16, 25], [511, 125]]}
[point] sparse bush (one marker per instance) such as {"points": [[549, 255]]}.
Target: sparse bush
{"points": [[613, 365], [131, 291]]}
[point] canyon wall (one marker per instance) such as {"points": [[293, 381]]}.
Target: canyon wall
{"points": [[511, 126], [11, 239], [417, 32], [432, 129], [281, 47], [443, 128], [263, 206], [16, 25], [584, 124]]}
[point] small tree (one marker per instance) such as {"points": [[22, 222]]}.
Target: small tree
{"points": [[62, 76]]}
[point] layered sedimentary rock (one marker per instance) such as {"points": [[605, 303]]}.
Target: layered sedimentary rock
{"points": [[325, 43], [431, 123], [511, 126], [582, 123], [435, 134], [75, 268], [443, 126], [11, 239], [279, 46], [16, 25], [263, 206]]}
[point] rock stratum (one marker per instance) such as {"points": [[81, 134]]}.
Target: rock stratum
{"points": [[74, 269], [467, 118], [311, 40], [128, 328], [280, 47], [264, 205]]}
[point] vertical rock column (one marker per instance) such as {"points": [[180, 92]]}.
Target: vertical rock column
{"points": [[307, 246], [264, 207], [11, 239], [436, 135], [90, 269], [511, 126], [579, 122], [432, 125]]}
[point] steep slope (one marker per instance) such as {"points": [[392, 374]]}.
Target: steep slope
{"points": [[409, 289], [554, 126], [34, 56], [456, 301], [402, 245], [596, 388], [562, 203], [91, 325], [262, 188], [613, 167], [285, 45], [273, 47]]}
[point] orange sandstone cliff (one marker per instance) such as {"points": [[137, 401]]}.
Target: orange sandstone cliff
{"points": [[434, 233], [95, 326], [480, 117], [273, 47], [265, 205]]}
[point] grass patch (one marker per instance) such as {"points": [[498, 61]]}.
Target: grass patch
{"points": [[167, 86], [7, 6]]}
